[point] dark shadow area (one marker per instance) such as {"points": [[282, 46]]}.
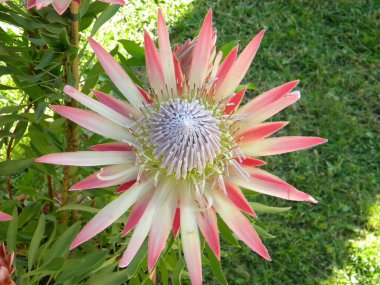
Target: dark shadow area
{"points": [[333, 48]]}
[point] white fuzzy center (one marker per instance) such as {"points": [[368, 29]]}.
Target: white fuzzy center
{"points": [[185, 135]]}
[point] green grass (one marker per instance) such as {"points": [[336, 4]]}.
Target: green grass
{"points": [[333, 47]]}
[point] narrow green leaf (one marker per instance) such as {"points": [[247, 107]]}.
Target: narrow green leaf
{"points": [[163, 273], [215, 266], [12, 166], [137, 261], [76, 269], [40, 111], [227, 48], [263, 233], [78, 207], [5, 87], [177, 273], [12, 231], [49, 268], [46, 60], [104, 17], [36, 240], [133, 49], [61, 247], [268, 209], [6, 119], [114, 278], [226, 233], [10, 109]]}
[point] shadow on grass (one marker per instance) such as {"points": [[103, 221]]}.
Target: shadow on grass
{"points": [[331, 47]]}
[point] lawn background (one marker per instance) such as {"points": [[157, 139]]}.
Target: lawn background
{"points": [[333, 47]]}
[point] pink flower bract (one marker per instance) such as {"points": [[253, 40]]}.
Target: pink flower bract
{"points": [[5, 217]]}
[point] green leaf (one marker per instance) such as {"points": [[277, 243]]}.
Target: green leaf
{"points": [[133, 49], [113, 278], [137, 261], [5, 87], [176, 275], [61, 247], [12, 231], [10, 109], [6, 119], [163, 273], [12, 166], [5, 70], [226, 233], [249, 86], [36, 240], [37, 42], [78, 207], [226, 49], [51, 267], [268, 209], [40, 111], [104, 17], [46, 60], [78, 268], [215, 266], [262, 232]]}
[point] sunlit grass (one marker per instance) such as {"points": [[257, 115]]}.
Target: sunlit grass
{"points": [[132, 18], [363, 263]]}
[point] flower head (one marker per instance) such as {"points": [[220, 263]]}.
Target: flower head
{"points": [[6, 268], [61, 5], [183, 147]]}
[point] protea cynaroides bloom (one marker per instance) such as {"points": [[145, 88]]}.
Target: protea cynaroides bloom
{"points": [[183, 147]]}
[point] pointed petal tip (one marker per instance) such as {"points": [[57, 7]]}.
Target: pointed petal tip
{"points": [[311, 200], [74, 245], [318, 140], [160, 15], [124, 262], [42, 159], [296, 94], [5, 217], [68, 89], [93, 43], [264, 254]]}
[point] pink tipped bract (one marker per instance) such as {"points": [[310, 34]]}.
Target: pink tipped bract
{"points": [[182, 148], [5, 217]]}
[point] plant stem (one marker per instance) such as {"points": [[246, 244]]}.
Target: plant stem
{"points": [[72, 133]]}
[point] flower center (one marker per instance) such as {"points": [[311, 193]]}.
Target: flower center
{"points": [[184, 135]]}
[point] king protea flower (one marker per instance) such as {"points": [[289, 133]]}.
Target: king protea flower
{"points": [[61, 5], [6, 268], [183, 148], [4, 217]]}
